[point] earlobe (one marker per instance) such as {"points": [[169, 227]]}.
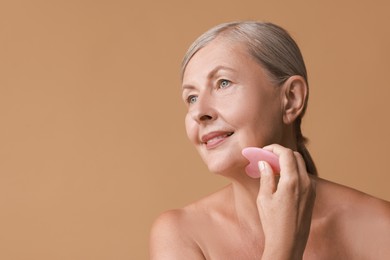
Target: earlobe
{"points": [[294, 98]]}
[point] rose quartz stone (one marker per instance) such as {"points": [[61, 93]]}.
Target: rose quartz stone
{"points": [[254, 155]]}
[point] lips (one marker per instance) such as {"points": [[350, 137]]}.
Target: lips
{"points": [[213, 139]]}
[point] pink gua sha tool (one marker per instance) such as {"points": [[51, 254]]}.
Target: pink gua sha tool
{"points": [[254, 155]]}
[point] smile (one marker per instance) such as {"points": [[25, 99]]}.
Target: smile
{"points": [[213, 139]]}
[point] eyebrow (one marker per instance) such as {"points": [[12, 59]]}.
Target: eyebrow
{"points": [[217, 69], [210, 75]]}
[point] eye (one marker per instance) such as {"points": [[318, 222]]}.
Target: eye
{"points": [[224, 83], [192, 99]]}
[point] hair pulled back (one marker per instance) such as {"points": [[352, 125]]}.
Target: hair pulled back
{"points": [[273, 48]]}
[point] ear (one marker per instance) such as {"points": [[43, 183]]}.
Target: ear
{"points": [[294, 95]]}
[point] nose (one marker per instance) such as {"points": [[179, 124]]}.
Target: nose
{"points": [[204, 110]]}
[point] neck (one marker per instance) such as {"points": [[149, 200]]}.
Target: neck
{"points": [[245, 191]]}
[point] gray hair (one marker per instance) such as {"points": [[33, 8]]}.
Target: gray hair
{"points": [[273, 48]]}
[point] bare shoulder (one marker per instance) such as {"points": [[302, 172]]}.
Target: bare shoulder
{"points": [[363, 220], [349, 197], [174, 234], [367, 225], [171, 238]]}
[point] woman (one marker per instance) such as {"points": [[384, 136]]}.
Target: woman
{"points": [[245, 84]]}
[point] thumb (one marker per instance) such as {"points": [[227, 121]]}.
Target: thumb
{"points": [[267, 179]]}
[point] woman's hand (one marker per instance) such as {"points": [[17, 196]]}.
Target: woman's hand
{"points": [[285, 205]]}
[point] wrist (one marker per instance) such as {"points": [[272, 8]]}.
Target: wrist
{"points": [[281, 252]]}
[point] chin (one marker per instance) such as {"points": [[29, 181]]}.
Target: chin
{"points": [[220, 169], [229, 172], [226, 165]]}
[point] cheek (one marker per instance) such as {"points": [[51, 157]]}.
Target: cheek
{"points": [[259, 119], [245, 112], [191, 128]]}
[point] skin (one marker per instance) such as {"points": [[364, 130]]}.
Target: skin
{"points": [[294, 216]]}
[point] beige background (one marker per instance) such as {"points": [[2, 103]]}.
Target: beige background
{"points": [[92, 141]]}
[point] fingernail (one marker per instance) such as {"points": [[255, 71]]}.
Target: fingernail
{"points": [[261, 165]]}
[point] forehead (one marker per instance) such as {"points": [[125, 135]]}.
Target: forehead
{"points": [[220, 52]]}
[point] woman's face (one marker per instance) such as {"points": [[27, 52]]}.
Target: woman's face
{"points": [[231, 104]]}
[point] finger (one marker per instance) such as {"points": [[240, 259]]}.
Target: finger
{"points": [[301, 165], [307, 182], [267, 179], [274, 148], [289, 170]]}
